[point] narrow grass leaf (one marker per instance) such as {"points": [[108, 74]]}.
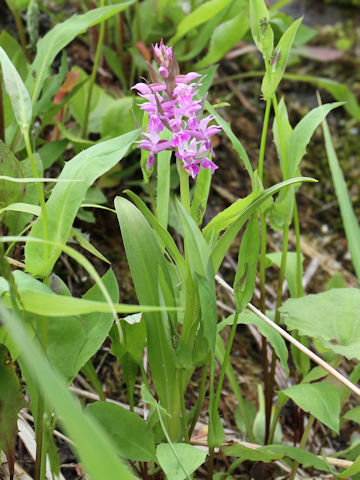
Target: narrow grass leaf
{"points": [[351, 224], [91, 442]]}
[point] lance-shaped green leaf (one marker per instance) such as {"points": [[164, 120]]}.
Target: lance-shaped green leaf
{"points": [[222, 246], [244, 283], [302, 133], [320, 399], [276, 70], [62, 34], [146, 259], [66, 198], [15, 88], [261, 30], [11, 401]]}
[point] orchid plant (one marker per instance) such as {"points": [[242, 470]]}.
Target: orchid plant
{"points": [[175, 330]]}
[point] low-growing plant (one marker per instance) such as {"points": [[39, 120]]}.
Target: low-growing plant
{"points": [[51, 335]]}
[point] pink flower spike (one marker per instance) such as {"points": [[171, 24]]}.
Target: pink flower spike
{"points": [[164, 72], [145, 89], [189, 77]]}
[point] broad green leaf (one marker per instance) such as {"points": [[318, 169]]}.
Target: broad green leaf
{"points": [[302, 134], [62, 34], [128, 431], [332, 316], [245, 277], [15, 88], [101, 106], [351, 224], [191, 458], [225, 36], [222, 246], [200, 15], [32, 21], [11, 401], [9, 166], [261, 30], [233, 139], [145, 259], [117, 118], [72, 340], [91, 442], [320, 399], [276, 71], [353, 415], [66, 198]]}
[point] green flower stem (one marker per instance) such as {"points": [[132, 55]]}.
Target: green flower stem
{"points": [[40, 437], [183, 407], [302, 444], [225, 362], [270, 395], [263, 140], [94, 73], [201, 398], [21, 32], [275, 418], [299, 270], [39, 188], [263, 270], [184, 187], [2, 120]]}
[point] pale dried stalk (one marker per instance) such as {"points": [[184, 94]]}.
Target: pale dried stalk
{"points": [[341, 378]]}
